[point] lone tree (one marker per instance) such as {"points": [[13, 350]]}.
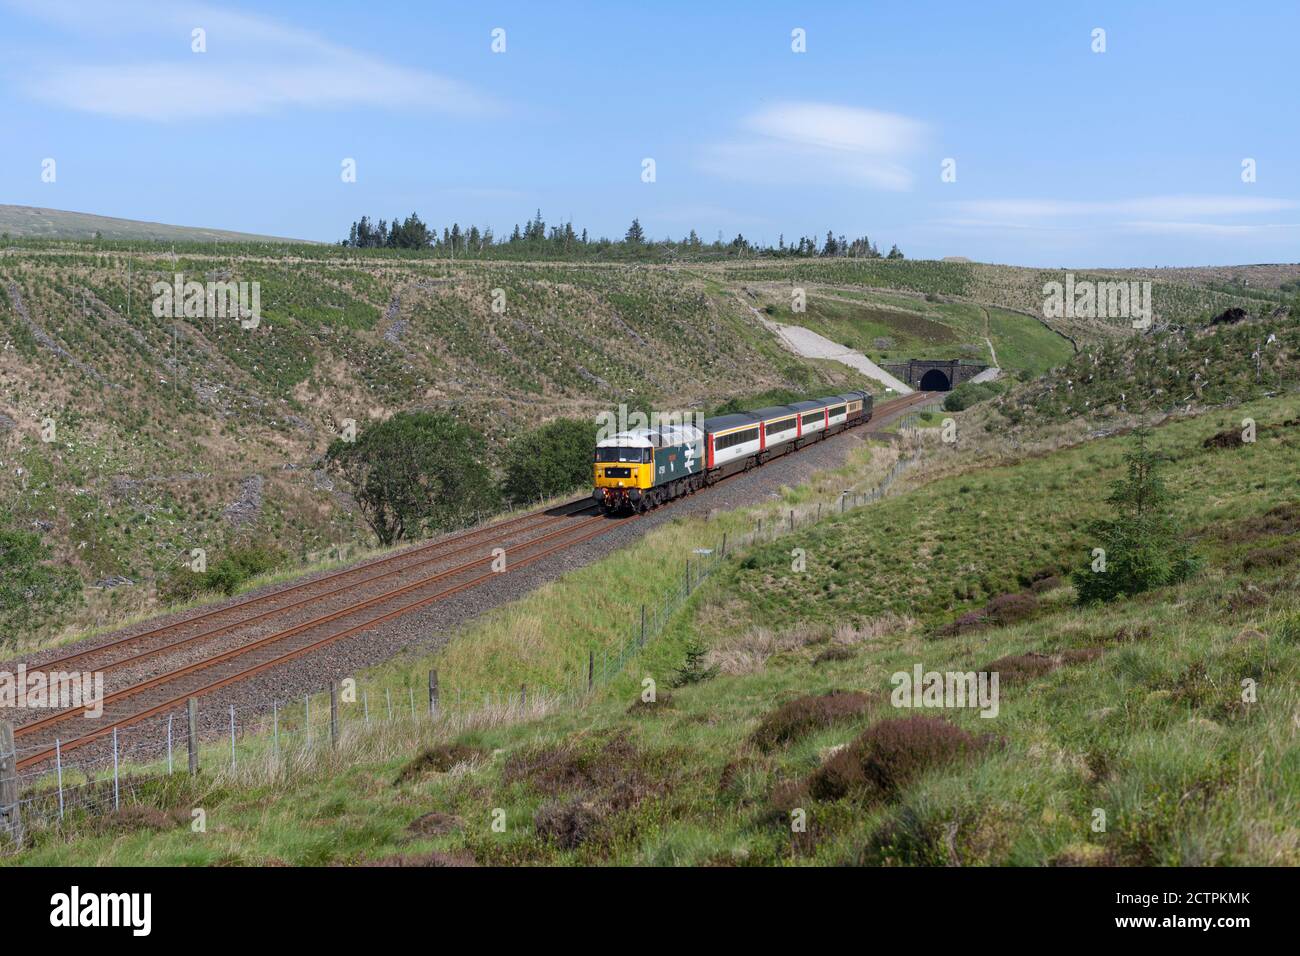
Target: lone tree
{"points": [[32, 591], [550, 460], [635, 234], [416, 473], [1141, 546]]}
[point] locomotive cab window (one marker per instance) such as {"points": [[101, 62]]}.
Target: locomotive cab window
{"points": [[633, 455]]}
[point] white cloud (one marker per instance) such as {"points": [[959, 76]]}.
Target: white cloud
{"points": [[820, 144], [1208, 229], [842, 128], [254, 66], [1184, 216], [1153, 206]]}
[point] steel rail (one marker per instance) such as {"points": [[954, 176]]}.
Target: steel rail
{"points": [[175, 674], [64, 746], [282, 592], [310, 599]]}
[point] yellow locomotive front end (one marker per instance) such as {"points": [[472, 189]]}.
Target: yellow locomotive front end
{"points": [[624, 470]]}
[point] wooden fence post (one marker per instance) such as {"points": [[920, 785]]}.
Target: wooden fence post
{"points": [[591, 669], [643, 625], [433, 692], [9, 806], [193, 708], [334, 713]]}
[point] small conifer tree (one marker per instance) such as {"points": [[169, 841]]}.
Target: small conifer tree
{"points": [[1140, 547]]}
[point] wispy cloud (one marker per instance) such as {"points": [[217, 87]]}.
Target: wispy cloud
{"points": [[820, 143], [1210, 229], [1024, 210], [1185, 216], [255, 65]]}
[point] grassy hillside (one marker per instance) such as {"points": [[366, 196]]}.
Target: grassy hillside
{"points": [[32, 222], [172, 434], [1122, 735], [1164, 370], [1188, 296], [957, 543], [181, 433]]}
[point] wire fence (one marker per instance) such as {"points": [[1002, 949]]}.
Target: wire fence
{"points": [[134, 765]]}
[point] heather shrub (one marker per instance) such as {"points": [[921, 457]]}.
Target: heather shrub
{"points": [[888, 755], [803, 715]]}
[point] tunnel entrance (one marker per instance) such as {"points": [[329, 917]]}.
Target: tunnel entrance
{"points": [[935, 381]]}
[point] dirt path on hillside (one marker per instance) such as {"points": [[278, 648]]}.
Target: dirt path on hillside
{"points": [[988, 337]]}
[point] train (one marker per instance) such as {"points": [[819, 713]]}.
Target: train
{"points": [[643, 468]]}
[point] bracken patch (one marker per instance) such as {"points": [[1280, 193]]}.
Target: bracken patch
{"points": [[436, 823], [571, 823], [1281, 519], [1224, 439], [890, 754], [136, 817], [617, 771], [803, 715], [432, 858], [661, 702], [1000, 611], [837, 652], [1015, 668], [438, 759], [1083, 854], [789, 795], [1132, 635], [1274, 557]]}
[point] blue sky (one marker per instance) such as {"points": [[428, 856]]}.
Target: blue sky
{"points": [[1063, 156]]}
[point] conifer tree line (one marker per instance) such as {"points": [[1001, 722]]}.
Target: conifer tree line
{"points": [[536, 238]]}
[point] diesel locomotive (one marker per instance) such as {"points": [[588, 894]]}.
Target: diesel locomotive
{"points": [[643, 468]]}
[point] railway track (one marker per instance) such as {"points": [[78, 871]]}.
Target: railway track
{"points": [[160, 693], [311, 591], [544, 534]]}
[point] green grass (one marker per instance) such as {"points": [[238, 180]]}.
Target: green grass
{"points": [[963, 540], [1148, 726], [1023, 343]]}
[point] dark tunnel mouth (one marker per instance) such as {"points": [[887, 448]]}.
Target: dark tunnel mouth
{"points": [[935, 381]]}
